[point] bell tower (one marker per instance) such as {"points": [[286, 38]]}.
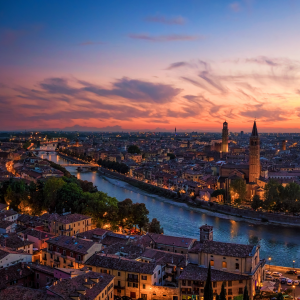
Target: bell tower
{"points": [[225, 137], [254, 155]]}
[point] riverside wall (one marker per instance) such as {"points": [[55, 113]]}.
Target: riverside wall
{"points": [[264, 217]]}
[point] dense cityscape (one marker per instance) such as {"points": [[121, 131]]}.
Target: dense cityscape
{"points": [[56, 226], [149, 150]]}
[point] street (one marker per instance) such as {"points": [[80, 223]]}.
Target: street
{"points": [[283, 271]]}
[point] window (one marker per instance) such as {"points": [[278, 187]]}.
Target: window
{"points": [[212, 263], [132, 295], [229, 283], [229, 291], [224, 264], [240, 281], [241, 291], [144, 286], [64, 252], [225, 283], [158, 272], [119, 283], [71, 254], [144, 277], [37, 275], [119, 273], [78, 257], [135, 285], [214, 284], [154, 275], [237, 266], [144, 296]]}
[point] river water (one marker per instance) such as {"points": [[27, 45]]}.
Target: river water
{"points": [[280, 243]]}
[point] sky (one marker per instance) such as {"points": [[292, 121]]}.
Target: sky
{"points": [[150, 65]]}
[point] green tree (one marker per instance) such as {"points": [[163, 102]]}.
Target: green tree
{"points": [[272, 196], [208, 290], [133, 149], [140, 215], [223, 292], [279, 296], [256, 202], [245, 294], [51, 189], [238, 189], [69, 198], [97, 206], [172, 155], [125, 213], [154, 227]]}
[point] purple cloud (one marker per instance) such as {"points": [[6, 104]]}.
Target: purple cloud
{"points": [[164, 38]]}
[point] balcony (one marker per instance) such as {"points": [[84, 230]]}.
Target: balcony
{"points": [[131, 279], [119, 287], [79, 261], [63, 229]]}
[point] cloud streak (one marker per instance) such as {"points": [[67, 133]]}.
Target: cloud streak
{"points": [[164, 38]]}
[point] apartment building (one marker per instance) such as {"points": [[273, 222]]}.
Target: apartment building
{"points": [[68, 224], [193, 278], [67, 252], [91, 285], [228, 257], [10, 257], [132, 278]]}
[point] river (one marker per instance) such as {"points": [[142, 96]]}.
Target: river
{"points": [[281, 243]]}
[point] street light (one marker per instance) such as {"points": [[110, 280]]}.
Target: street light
{"points": [[270, 263], [293, 264], [294, 291]]}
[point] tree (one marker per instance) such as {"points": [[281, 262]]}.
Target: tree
{"points": [[97, 206], [69, 198], [154, 227], [218, 192], [223, 292], [238, 189], [133, 149], [172, 155], [256, 202], [51, 188], [246, 295], [125, 213], [272, 196], [280, 296], [140, 215], [208, 290]]}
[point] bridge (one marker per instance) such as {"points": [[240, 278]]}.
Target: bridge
{"points": [[79, 165], [40, 150]]}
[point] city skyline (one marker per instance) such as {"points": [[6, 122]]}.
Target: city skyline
{"points": [[150, 67]]}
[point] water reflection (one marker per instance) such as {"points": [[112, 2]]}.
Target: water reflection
{"points": [[280, 243]]}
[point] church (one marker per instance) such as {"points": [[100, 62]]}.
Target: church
{"points": [[249, 172]]}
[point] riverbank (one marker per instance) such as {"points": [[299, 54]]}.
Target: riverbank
{"points": [[245, 214]]}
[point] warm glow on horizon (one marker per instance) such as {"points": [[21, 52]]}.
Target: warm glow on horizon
{"points": [[190, 66]]}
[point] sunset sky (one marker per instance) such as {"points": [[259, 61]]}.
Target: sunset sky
{"points": [[156, 65]]}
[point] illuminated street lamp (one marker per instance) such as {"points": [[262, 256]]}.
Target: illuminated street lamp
{"points": [[294, 290], [270, 263], [293, 264]]}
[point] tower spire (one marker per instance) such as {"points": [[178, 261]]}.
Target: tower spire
{"points": [[254, 129]]}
